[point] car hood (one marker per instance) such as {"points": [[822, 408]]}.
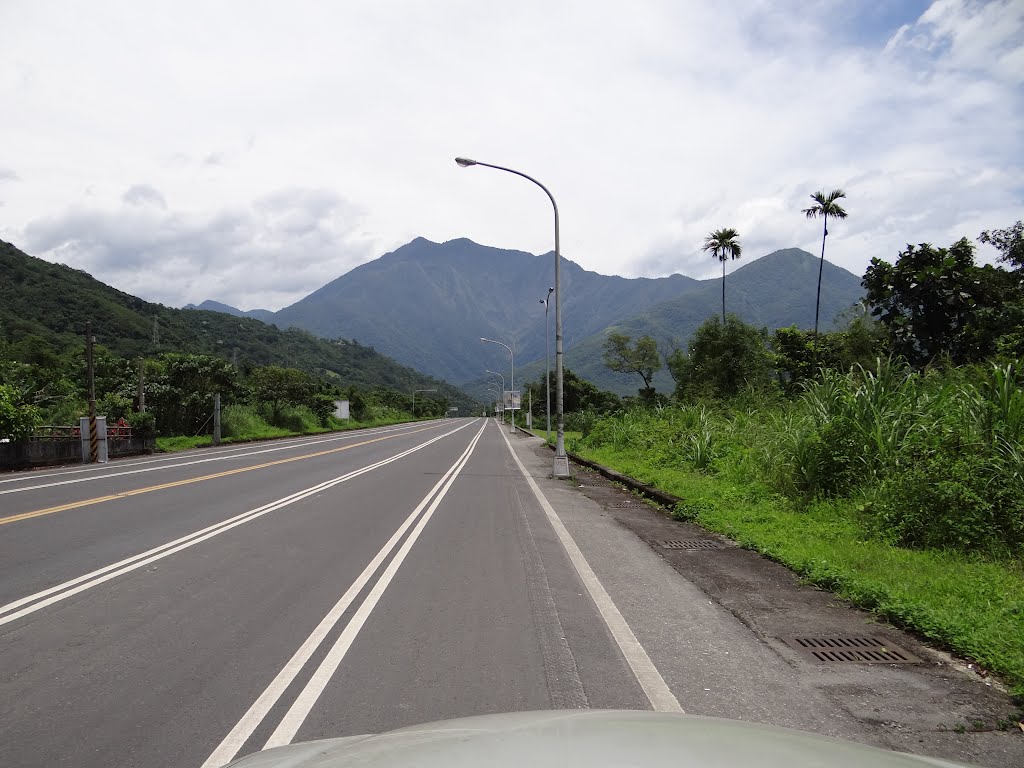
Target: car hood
{"points": [[591, 738]]}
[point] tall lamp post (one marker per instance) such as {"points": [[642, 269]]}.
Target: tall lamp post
{"points": [[547, 357], [493, 391], [512, 384], [502, 396], [561, 464]]}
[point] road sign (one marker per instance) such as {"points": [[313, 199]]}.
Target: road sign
{"points": [[513, 400]]}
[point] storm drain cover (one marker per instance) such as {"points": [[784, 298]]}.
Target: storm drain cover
{"points": [[626, 504], [851, 650], [692, 544]]}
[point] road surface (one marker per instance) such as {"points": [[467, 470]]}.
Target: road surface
{"points": [[186, 610]]}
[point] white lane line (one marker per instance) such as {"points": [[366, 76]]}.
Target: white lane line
{"points": [[224, 452], [219, 457], [650, 679], [8, 613], [239, 735]]}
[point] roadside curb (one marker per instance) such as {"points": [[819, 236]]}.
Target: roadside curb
{"points": [[657, 495]]}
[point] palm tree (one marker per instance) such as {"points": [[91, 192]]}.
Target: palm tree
{"points": [[723, 245], [824, 207]]}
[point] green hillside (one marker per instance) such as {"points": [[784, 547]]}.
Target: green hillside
{"points": [[44, 308], [775, 291]]}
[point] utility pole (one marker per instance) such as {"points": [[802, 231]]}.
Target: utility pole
{"points": [[216, 419], [142, 385], [94, 448]]}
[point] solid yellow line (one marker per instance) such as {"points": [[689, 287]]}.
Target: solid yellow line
{"points": [[176, 483]]}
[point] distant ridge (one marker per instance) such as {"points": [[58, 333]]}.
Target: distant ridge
{"points": [[427, 304], [264, 315]]}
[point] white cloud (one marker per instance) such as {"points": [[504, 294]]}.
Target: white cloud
{"points": [[251, 257], [652, 123], [143, 194]]}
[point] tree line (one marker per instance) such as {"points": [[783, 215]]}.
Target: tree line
{"points": [[41, 388], [934, 306]]}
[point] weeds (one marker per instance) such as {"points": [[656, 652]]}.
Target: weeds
{"points": [[903, 491]]}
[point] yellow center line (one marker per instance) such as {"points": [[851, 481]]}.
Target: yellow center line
{"points": [[189, 481]]}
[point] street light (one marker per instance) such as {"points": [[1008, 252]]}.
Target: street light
{"points": [[512, 385], [492, 389], [561, 464], [502, 397], [414, 399], [547, 357]]}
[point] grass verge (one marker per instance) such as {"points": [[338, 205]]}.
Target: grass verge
{"points": [[971, 606]]}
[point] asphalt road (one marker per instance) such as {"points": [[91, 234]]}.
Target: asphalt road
{"points": [[186, 610]]}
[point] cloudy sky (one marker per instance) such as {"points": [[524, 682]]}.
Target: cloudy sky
{"points": [[252, 151]]}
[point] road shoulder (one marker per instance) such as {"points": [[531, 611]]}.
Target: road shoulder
{"points": [[713, 620]]}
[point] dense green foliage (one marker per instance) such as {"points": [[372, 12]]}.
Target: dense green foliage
{"points": [[967, 604], [861, 474], [938, 303], [184, 358], [721, 360], [774, 291], [44, 308], [885, 460]]}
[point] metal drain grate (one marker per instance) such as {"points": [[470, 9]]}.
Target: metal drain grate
{"points": [[627, 505], [851, 650], [692, 544]]}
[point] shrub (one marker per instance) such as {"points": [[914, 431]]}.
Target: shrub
{"points": [[242, 421], [581, 421], [950, 500], [689, 510], [143, 424], [298, 419], [17, 418]]}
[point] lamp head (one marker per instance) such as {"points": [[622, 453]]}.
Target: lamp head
{"points": [[465, 162]]}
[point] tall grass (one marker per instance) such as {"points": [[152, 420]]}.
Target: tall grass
{"points": [[934, 458], [902, 490]]}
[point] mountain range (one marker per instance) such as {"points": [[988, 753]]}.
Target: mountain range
{"points": [[427, 304]]}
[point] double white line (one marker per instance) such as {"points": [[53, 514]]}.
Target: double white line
{"points": [[302, 705], [175, 462], [32, 603]]}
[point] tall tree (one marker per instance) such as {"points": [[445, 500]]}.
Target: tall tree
{"points": [[723, 245], [623, 356], [721, 360], [824, 206], [1009, 242], [929, 299]]}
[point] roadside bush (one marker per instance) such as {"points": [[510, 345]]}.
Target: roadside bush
{"points": [[690, 510], [581, 421], [298, 419], [143, 424], [114, 406], [242, 421], [17, 418], [947, 500]]}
